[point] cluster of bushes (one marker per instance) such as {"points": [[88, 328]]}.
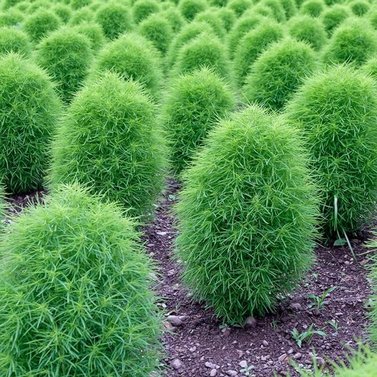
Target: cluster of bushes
{"points": [[265, 111]]}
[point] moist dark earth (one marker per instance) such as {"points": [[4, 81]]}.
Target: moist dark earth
{"points": [[197, 344]]}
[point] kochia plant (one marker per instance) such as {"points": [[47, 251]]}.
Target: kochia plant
{"points": [[75, 292], [194, 104], [93, 32], [337, 110], [313, 8], [39, 24], [110, 141], [333, 16], [142, 9], [14, 40], [247, 215], [190, 8], [29, 110]]}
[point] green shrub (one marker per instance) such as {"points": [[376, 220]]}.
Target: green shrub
{"points": [[218, 3], [278, 11], [330, 3], [253, 44], [143, 9], [359, 7], [40, 24], [63, 11], [278, 72], [77, 4], [11, 18], [373, 19], [110, 141], [93, 32], [175, 19], [76, 292], [156, 28], [66, 55], [262, 10], [190, 8], [6, 4], [39, 5], [212, 18], [246, 216], [336, 111], [228, 18], [132, 57], [29, 109], [14, 40], [313, 8], [290, 8], [334, 16], [81, 16], [193, 106], [240, 6], [203, 51], [370, 67], [355, 41], [114, 19], [308, 29]]}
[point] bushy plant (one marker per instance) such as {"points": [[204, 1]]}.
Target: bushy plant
{"points": [[373, 19], [278, 72], [190, 8], [334, 16], [278, 11], [218, 3], [66, 55], [143, 9], [39, 5], [355, 41], [240, 6], [359, 7], [93, 32], [228, 18], [76, 292], [370, 67], [83, 15], [77, 4], [212, 18], [40, 24], [253, 44], [11, 18], [132, 57], [203, 51], [290, 8], [29, 109], [14, 40], [336, 111], [313, 8], [156, 28], [110, 141], [63, 11], [308, 29], [114, 18], [175, 18], [246, 216], [194, 104]]}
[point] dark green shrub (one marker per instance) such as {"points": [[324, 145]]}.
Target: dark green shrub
{"points": [[330, 3], [132, 57], [190, 8], [175, 18], [246, 215], [203, 51], [218, 3], [359, 7], [82, 15], [313, 8], [14, 40], [308, 29], [110, 141], [40, 24], [278, 11], [93, 32], [76, 292], [143, 9], [278, 72], [114, 19], [66, 55], [63, 11], [228, 18], [336, 111], [240, 6], [156, 28], [262, 10], [194, 104], [253, 44], [77, 4], [355, 41], [6, 4], [334, 16], [290, 8], [11, 18], [29, 109], [212, 18], [39, 5]]}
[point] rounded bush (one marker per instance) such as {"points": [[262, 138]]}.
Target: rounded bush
{"points": [[175, 19], [143, 9], [228, 18], [14, 40], [114, 19], [278, 11], [76, 292], [40, 24], [194, 104], [313, 8], [132, 57], [246, 216], [359, 7], [156, 28], [93, 32], [373, 19], [63, 11], [110, 141], [77, 4], [354, 41], [66, 55], [290, 8], [212, 18], [334, 16], [218, 3], [29, 110], [203, 51], [370, 67], [253, 44], [240, 6], [11, 18], [278, 72], [81, 16], [336, 110], [38, 5], [190, 8], [308, 29]]}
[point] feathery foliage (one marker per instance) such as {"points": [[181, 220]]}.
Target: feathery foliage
{"points": [[93, 32], [142, 9], [278, 11], [359, 7], [213, 19], [110, 141], [63, 11], [14, 40], [175, 18], [228, 18], [247, 215], [11, 18], [240, 6], [190, 8], [40, 24], [334, 16], [85, 14], [313, 8], [337, 112], [76, 292]]}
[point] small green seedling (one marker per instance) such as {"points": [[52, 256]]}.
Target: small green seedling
{"points": [[306, 336], [318, 302]]}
